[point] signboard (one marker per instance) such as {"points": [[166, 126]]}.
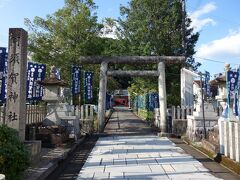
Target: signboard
{"points": [[76, 75], [88, 86], [187, 78]]}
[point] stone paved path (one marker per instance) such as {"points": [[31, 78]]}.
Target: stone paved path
{"points": [[133, 152]]}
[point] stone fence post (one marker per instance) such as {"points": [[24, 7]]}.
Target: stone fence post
{"points": [[2, 177], [178, 112]]}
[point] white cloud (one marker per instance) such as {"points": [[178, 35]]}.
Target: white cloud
{"points": [[198, 23], [226, 48], [3, 3]]}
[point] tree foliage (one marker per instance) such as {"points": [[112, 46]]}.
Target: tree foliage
{"points": [[146, 28], [62, 37], [14, 155], [150, 27]]}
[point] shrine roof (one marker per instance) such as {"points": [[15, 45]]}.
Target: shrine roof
{"points": [[52, 81], [218, 80]]}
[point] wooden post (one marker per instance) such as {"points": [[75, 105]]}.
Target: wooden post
{"points": [[91, 112], [16, 88], [226, 138], [86, 111], [221, 135], [162, 98], [102, 95], [173, 113], [2, 177], [82, 112], [178, 112], [232, 148]]}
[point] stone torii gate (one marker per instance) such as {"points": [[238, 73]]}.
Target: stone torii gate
{"points": [[160, 72]]}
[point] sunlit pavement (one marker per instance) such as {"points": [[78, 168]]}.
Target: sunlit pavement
{"points": [[144, 156]]}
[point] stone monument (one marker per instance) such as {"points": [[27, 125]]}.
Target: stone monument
{"points": [[16, 86], [195, 124]]}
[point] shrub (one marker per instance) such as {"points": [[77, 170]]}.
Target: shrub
{"points": [[14, 156]]}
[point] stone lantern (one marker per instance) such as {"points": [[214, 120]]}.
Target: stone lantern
{"points": [[59, 113], [53, 97], [52, 89], [220, 81]]}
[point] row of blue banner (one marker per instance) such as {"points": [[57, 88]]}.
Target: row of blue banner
{"points": [[88, 83], [35, 72], [148, 101]]}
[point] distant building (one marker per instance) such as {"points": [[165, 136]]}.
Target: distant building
{"points": [[121, 98]]}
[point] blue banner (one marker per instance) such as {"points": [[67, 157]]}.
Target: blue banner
{"points": [[3, 74], [88, 86], [206, 83], [40, 75], [153, 101], [76, 83], [232, 85], [108, 101], [35, 72], [232, 78]]}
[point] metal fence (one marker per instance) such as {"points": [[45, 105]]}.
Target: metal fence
{"points": [[35, 114]]}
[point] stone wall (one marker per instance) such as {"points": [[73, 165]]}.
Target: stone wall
{"points": [[195, 127], [179, 127], [229, 137]]}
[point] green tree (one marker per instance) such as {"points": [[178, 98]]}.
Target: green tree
{"points": [[150, 27], [62, 37], [14, 155]]}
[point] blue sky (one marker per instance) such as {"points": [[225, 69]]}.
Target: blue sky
{"points": [[217, 21]]}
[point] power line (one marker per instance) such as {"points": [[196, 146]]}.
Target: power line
{"points": [[212, 60]]}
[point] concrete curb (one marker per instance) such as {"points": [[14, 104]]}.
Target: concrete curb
{"points": [[215, 157], [45, 171]]}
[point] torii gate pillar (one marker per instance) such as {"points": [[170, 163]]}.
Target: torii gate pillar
{"points": [[102, 95], [162, 98]]}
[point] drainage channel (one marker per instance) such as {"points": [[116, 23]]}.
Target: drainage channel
{"points": [[70, 168]]}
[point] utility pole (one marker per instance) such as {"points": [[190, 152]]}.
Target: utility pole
{"points": [[203, 111], [184, 27]]}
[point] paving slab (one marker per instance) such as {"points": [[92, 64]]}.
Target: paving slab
{"points": [[132, 151]]}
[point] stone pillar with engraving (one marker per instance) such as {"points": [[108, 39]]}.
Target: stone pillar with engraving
{"points": [[16, 88]]}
